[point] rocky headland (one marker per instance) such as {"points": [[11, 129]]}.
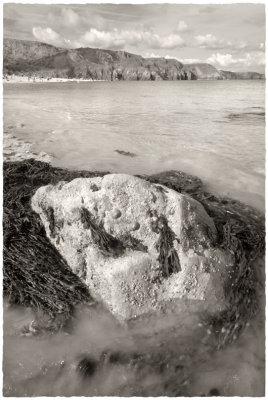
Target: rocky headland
{"points": [[40, 61]]}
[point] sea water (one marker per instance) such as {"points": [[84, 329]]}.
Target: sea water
{"points": [[213, 129]]}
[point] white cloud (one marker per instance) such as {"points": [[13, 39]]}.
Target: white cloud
{"points": [[114, 39], [152, 55], [98, 38], [168, 57], [69, 17], [118, 39], [182, 27], [210, 41], [191, 60], [168, 42], [221, 59], [47, 35], [248, 60]]}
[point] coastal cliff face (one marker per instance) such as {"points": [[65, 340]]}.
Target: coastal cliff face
{"points": [[41, 60], [85, 63], [203, 71], [241, 75]]}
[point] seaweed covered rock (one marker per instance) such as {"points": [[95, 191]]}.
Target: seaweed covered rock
{"points": [[138, 246], [34, 273]]}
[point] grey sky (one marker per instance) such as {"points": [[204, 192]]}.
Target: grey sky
{"points": [[230, 36]]}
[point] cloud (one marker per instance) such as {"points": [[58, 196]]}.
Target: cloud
{"points": [[210, 41], [98, 38], [182, 27], [185, 60], [167, 42], [168, 57], [152, 55], [114, 39], [119, 39], [191, 60], [69, 17], [248, 60], [47, 35]]}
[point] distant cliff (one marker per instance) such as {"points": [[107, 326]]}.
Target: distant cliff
{"points": [[32, 58], [203, 71], [241, 75]]}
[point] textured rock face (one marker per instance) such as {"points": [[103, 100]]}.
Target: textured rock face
{"points": [[139, 247], [202, 71]]}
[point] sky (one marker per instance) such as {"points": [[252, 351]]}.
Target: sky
{"points": [[228, 36]]}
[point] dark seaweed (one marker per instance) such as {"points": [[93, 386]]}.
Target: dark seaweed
{"points": [[133, 243], [34, 273], [125, 153], [168, 257], [106, 242]]}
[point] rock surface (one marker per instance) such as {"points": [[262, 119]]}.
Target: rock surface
{"points": [[203, 71], [140, 247]]}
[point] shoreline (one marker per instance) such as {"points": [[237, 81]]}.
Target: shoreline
{"points": [[25, 79]]}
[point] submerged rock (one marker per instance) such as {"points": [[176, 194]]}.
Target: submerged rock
{"points": [[125, 153], [140, 247], [87, 367]]}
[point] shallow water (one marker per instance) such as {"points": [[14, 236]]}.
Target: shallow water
{"points": [[214, 130], [177, 361]]}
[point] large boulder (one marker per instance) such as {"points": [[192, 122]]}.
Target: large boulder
{"points": [[140, 247]]}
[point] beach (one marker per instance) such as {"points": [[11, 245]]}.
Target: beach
{"points": [[38, 79]]}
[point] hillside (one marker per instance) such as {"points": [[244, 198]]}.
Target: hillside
{"points": [[203, 71], [31, 58], [14, 50]]}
